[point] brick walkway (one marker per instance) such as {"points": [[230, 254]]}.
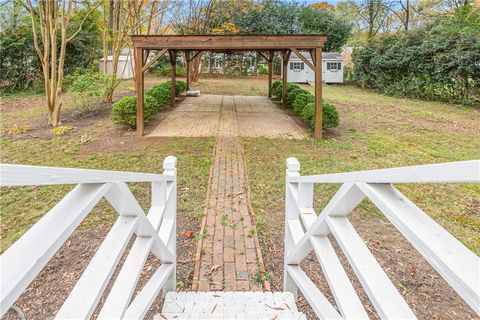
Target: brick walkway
{"points": [[228, 254], [254, 116]]}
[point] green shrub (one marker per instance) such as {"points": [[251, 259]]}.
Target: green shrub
{"points": [[330, 116], [161, 94], [438, 61], [262, 68], [308, 113], [124, 112], [180, 86], [301, 101], [164, 70], [85, 88], [291, 86], [276, 89], [292, 95]]}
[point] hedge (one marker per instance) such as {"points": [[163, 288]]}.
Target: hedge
{"points": [[330, 116], [276, 88], [161, 94], [124, 112], [180, 87], [438, 61], [301, 101], [292, 95]]}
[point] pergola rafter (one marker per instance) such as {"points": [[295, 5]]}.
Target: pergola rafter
{"points": [[228, 43]]}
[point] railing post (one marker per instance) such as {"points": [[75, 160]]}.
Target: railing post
{"points": [[291, 212], [170, 169]]}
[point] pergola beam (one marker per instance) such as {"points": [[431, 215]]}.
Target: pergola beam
{"points": [[228, 42], [312, 55], [195, 55], [263, 56], [152, 61], [302, 57]]}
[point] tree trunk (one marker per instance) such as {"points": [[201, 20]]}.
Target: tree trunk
{"points": [[407, 15], [195, 74], [48, 14], [210, 63]]}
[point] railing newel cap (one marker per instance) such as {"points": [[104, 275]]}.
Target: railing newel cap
{"points": [[170, 163], [293, 164]]}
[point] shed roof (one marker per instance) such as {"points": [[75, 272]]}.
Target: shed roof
{"points": [[325, 56]]}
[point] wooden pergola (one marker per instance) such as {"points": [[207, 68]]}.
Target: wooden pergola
{"points": [[192, 46]]}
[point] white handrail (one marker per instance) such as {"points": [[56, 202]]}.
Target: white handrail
{"points": [[452, 172], [305, 231], [156, 233], [23, 175]]}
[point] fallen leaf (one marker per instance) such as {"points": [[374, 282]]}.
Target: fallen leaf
{"points": [[275, 308], [189, 234], [214, 268]]}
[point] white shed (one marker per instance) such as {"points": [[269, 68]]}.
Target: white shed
{"points": [[124, 67], [332, 68]]}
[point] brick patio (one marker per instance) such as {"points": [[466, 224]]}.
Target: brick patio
{"points": [[228, 254], [252, 116]]}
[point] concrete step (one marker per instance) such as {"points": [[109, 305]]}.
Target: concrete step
{"points": [[229, 305]]}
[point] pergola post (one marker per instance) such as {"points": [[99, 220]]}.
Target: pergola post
{"points": [[187, 68], [173, 75], [318, 94], [286, 56], [139, 88], [270, 73]]}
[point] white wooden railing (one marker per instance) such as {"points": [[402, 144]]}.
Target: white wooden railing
{"points": [[305, 231], [155, 232]]}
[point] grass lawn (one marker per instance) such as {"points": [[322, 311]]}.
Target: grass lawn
{"points": [[194, 161], [376, 131]]}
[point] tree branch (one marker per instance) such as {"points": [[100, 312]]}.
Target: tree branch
{"points": [[83, 20]]}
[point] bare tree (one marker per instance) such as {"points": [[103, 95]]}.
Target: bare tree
{"points": [[456, 4], [402, 10], [120, 19], [52, 17], [194, 17], [409, 12], [370, 14]]}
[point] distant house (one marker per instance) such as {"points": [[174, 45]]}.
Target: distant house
{"points": [[332, 68]]}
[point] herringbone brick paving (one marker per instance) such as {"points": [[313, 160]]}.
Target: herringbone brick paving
{"points": [[254, 117], [228, 255]]}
